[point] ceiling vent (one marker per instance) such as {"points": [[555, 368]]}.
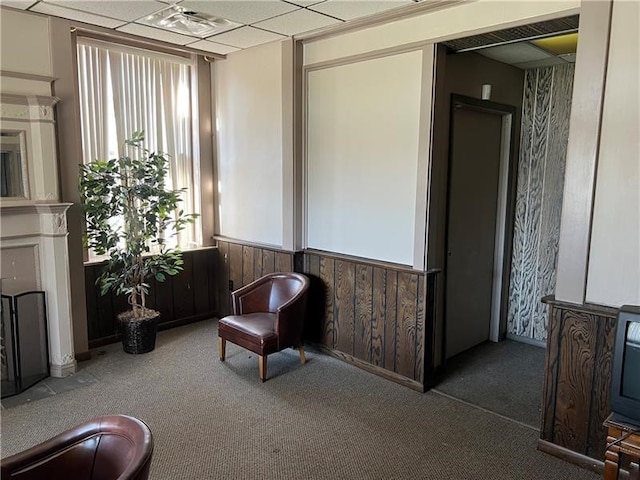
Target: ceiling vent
{"points": [[178, 19], [515, 34]]}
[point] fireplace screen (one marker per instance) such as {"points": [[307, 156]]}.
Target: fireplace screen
{"points": [[24, 346]]}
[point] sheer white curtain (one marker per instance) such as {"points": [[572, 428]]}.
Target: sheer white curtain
{"points": [[123, 90]]}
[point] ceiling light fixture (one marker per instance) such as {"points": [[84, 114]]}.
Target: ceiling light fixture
{"points": [[187, 22]]}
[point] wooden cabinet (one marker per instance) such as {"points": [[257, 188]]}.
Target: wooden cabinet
{"points": [[623, 439]]}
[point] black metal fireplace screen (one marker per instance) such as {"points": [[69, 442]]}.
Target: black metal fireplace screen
{"points": [[24, 347]]}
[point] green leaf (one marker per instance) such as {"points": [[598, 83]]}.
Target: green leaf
{"points": [[132, 187]]}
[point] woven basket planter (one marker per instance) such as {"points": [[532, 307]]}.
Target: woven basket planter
{"points": [[138, 336]]}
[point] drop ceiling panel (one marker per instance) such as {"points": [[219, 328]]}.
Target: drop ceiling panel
{"points": [[245, 11], [349, 10], [297, 22], [547, 62], [213, 47], [246, 37], [77, 15], [119, 10], [515, 53], [23, 4], [559, 44], [156, 33], [305, 3]]}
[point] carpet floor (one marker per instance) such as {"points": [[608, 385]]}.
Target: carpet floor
{"points": [[505, 378], [322, 420]]}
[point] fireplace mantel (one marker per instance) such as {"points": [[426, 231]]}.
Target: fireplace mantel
{"points": [[33, 233]]}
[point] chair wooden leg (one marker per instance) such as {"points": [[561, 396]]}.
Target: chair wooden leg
{"points": [[222, 344], [262, 365], [303, 359]]}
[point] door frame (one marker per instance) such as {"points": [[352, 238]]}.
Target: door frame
{"points": [[505, 209]]}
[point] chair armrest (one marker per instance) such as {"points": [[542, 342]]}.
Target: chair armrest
{"points": [[290, 319], [253, 297], [68, 453], [48, 448]]}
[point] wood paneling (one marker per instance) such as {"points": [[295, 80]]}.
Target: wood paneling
{"points": [[268, 261], [241, 263], [406, 326], [420, 332], [235, 266], [391, 318], [248, 265], [600, 399], [376, 315], [188, 296], [577, 377], [222, 274], [327, 278], [577, 345], [314, 328], [367, 313], [284, 262], [363, 313], [343, 317], [183, 298], [93, 324]]}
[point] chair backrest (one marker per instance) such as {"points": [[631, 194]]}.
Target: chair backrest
{"points": [[285, 286], [125, 449], [106, 448]]}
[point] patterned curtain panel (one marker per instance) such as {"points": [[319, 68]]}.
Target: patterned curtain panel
{"points": [[543, 147]]}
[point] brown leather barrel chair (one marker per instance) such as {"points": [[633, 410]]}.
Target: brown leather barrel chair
{"points": [[105, 448], [268, 316]]}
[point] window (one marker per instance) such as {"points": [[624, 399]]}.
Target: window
{"points": [[124, 89]]}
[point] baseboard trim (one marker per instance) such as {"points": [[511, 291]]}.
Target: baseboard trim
{"points": [[571, 456], [527, 340], [61, 371], [379, 371], [186, 320], [102, 341], [83, 356]]}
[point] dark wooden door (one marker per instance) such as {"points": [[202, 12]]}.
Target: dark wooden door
{"points": [[473, 197]]}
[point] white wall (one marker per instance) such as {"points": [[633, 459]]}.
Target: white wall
{"points": [[24, 43], [362, 157], [356, 202], [614, 261], [454, 22], [248, 92]]}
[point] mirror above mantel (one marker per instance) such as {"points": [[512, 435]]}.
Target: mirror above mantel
{"points": [[29, 163], [13, 167]]}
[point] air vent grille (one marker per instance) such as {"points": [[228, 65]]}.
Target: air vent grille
{"points": [[515, 34]]}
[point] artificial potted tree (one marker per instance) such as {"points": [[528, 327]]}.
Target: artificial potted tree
{"points": [[129, 217]]}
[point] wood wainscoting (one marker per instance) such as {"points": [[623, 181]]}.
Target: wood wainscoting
{"points": [[576, 396], [186, 297], [376, 316], [240, 263]]}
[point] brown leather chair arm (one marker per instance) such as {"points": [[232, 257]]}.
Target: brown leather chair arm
{"points": [[82, 449], [253, 297], [50, 447], [289, 319]]}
